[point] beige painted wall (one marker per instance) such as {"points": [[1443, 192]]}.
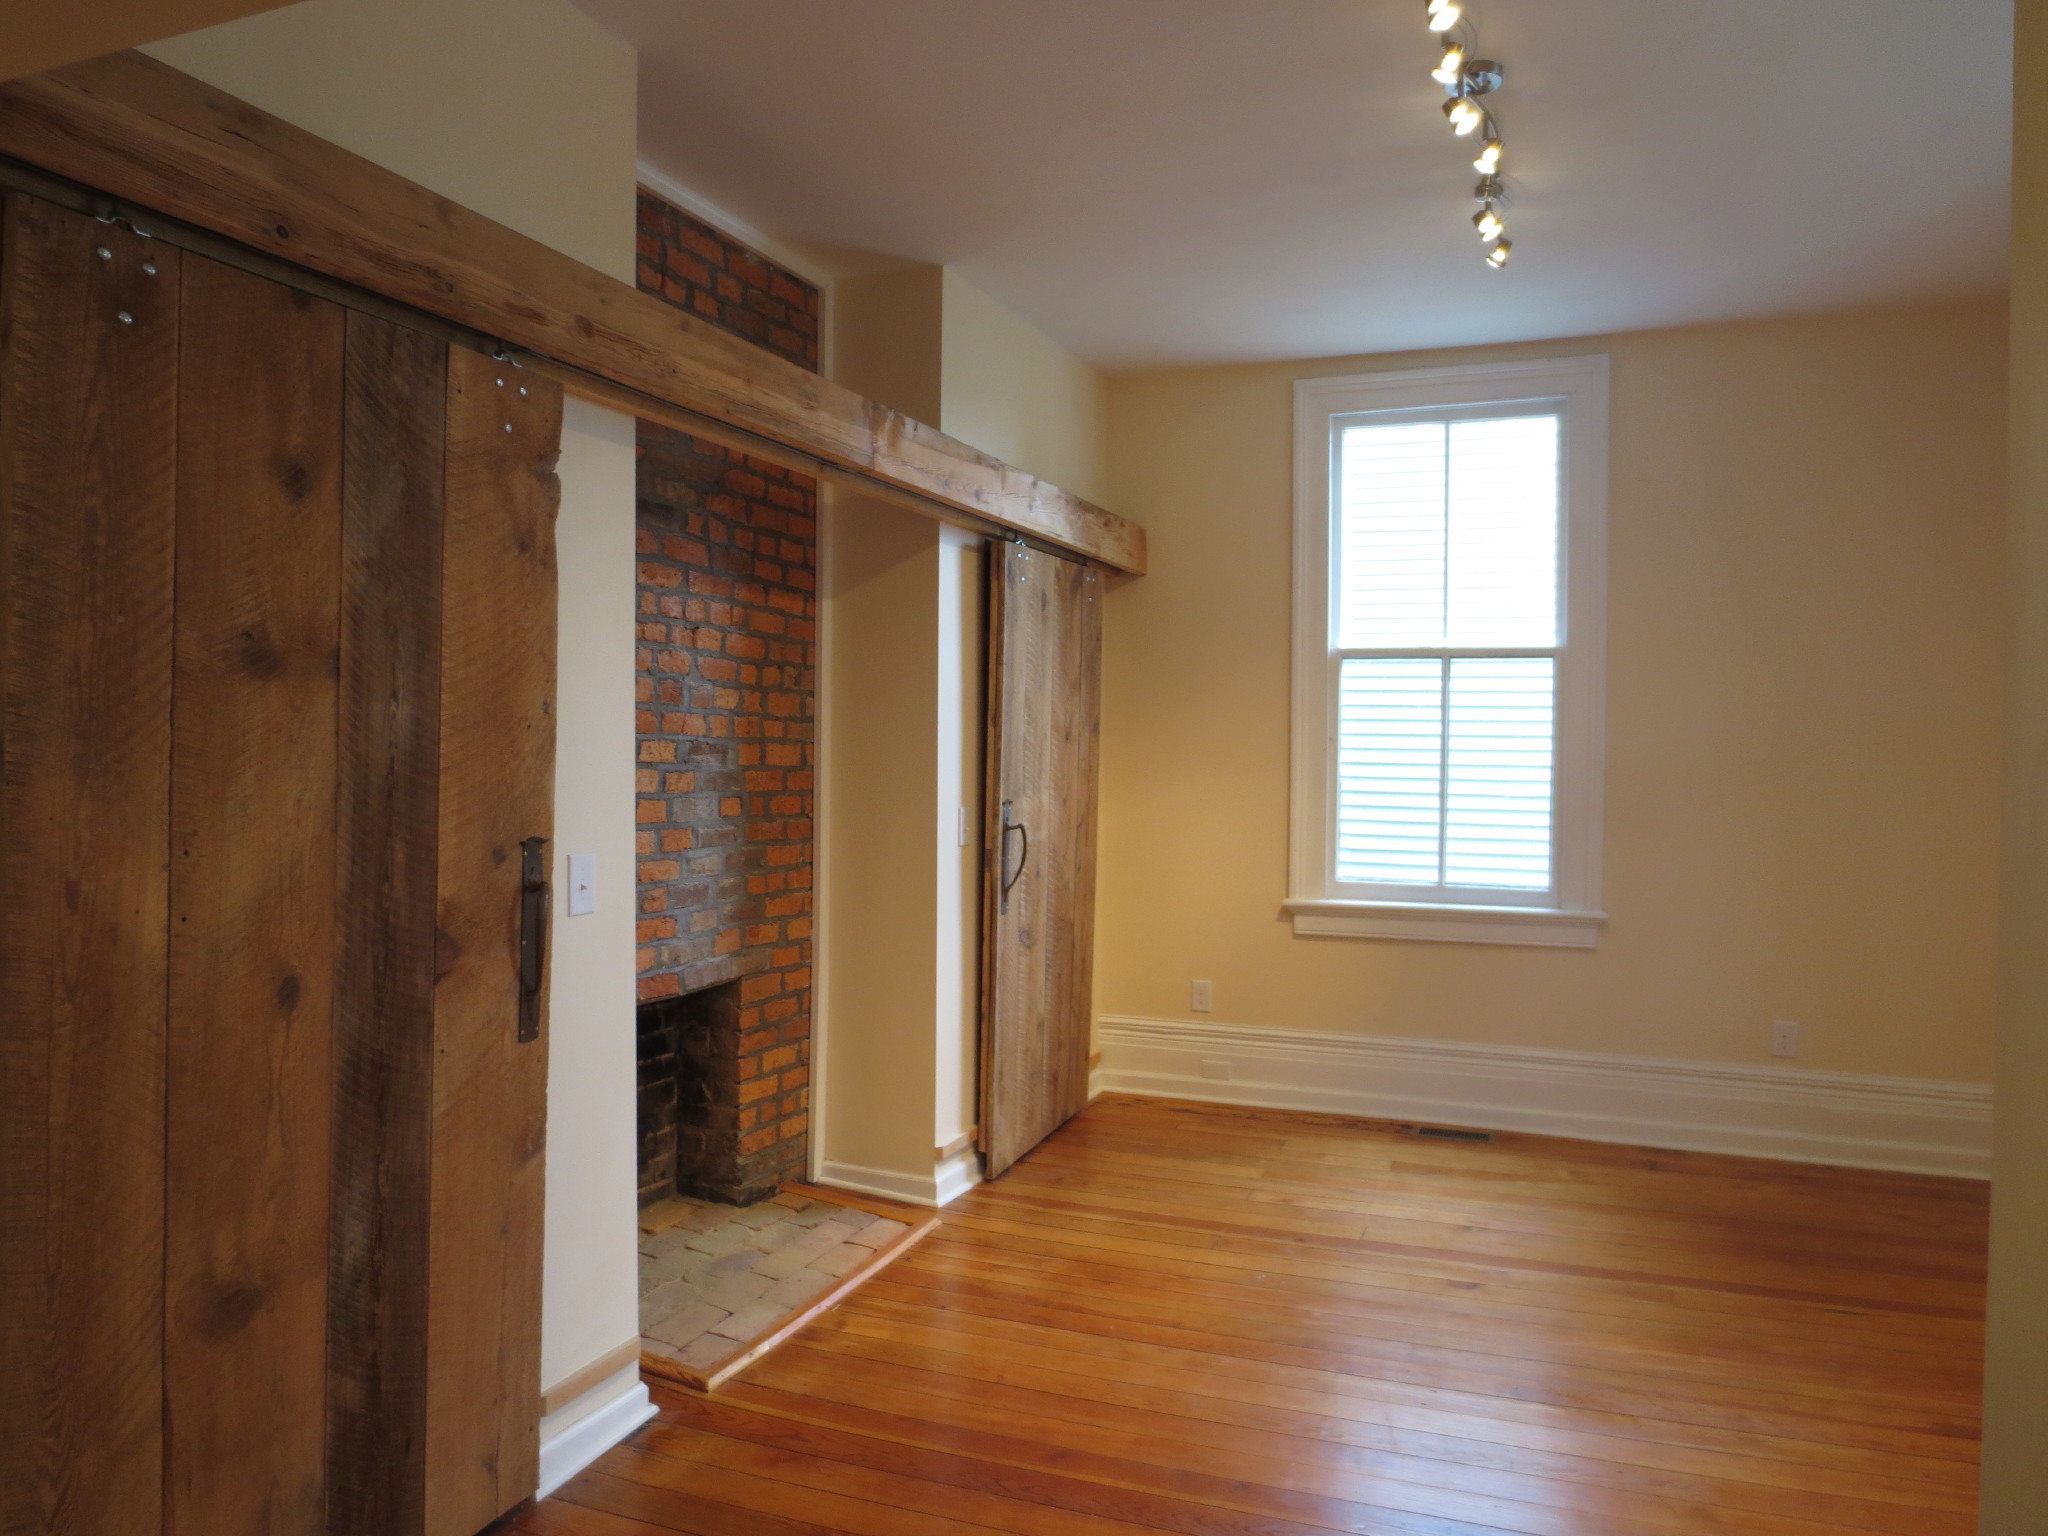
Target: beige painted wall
{"points": [[2016, 1390], [888, 338], [1011, 390], [523, 110], [925, 340], [879, 755], [1803, 693], [48, 34], [899, 903]]}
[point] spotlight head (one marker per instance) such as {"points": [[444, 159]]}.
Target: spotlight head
{"points": [[1443, 15], [1498, 256]]}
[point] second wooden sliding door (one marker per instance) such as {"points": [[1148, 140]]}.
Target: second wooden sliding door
{"points": [[1045, 671]]}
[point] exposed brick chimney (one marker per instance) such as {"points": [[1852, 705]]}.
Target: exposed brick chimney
{"points": [[727, 695]]}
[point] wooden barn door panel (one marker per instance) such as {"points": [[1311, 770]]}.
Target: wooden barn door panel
{"points": [[277, 623], [1045, 663], [394, 444], [87, 456], [497, 800], [253, 905]]}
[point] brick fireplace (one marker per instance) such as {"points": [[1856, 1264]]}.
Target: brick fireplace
{"points": [[726, 687]]}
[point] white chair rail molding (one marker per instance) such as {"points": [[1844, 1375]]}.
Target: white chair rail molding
{"points": [[1850, 1119]]}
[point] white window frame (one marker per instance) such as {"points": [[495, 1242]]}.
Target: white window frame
{"points": [[1570, 914]]}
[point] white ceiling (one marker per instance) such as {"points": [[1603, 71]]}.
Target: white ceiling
{"points": [[1172, 181]]}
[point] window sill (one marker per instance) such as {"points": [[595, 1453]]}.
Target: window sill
{"points": [[1542, 926]]}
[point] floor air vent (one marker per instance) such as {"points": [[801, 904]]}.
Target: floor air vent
{"points": [[1451, 1133]]}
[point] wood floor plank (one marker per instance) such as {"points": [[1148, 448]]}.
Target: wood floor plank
{"points": [[1240, 1322]]}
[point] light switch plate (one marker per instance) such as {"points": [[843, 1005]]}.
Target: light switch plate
{"points": [[582, 884], [1201, 996]]}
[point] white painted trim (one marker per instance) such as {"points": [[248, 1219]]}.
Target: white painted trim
{"points": [[1579, 388], [576, 1435], [1915, 1125], [805, 267], [947, 1181], [956, 1175], [1447, 924], [823, 787]]}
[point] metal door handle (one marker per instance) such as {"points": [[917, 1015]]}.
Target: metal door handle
{"points": [[1009, 878], [534, 903]]}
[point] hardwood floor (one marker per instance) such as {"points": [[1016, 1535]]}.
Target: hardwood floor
{"points": [[1187, 1318]]}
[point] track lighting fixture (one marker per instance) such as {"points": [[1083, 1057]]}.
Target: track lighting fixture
{"points": [[1465, 80]]}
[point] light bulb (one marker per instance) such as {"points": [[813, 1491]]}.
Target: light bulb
{"points": [[1498, 256], [1489, 158], [1488, 223], [1443, 17], [1463, 116], [1452, 69]]}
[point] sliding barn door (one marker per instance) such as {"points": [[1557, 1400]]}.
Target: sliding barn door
{"points": [[1045, 669], [276, 665]]}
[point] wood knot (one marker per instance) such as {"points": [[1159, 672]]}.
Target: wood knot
{"points": [[294, 478], [254, 654], [232, 1307]]}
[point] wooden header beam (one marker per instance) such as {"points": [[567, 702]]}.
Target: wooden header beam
{"points": [[147, 134]]}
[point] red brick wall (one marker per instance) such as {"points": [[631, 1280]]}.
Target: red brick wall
{"points": [[727, 690], [696, 268]]}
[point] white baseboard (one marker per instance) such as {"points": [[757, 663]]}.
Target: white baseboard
{"points": [[574, 1436], [947, 1181], [1914, 1125], [956, 1175]]}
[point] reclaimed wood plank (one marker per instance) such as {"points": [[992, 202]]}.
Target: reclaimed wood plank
{"points": [[393, 480], [497, 734], [88, 446], [253, 927]]}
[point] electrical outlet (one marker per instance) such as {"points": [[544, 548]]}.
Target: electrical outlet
{"points": [[1784, 1038], [1202, 996], [966, 827], [1216, 1071]]}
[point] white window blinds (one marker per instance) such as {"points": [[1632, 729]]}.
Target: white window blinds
{"points": [[1447, 545]]}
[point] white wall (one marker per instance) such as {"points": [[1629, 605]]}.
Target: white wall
{"points": [[590, 1279], [523, 110]]}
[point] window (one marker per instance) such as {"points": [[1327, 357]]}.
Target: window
{"points": [[1448, 595]]}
